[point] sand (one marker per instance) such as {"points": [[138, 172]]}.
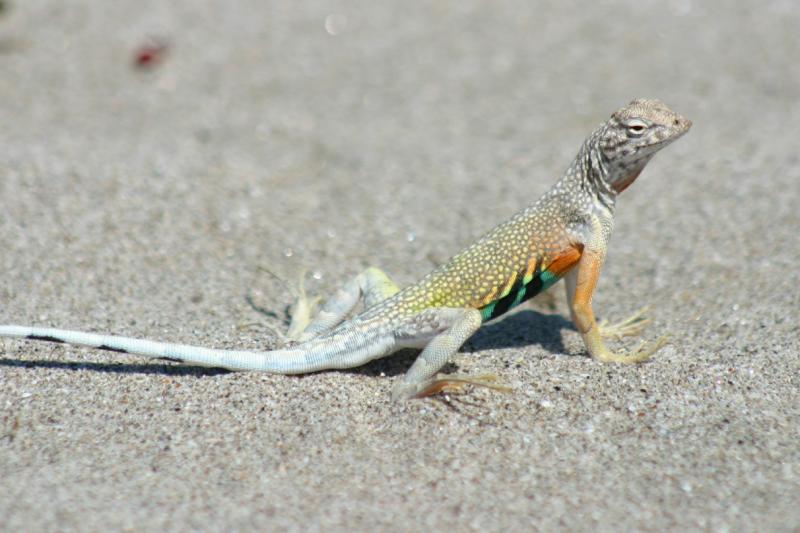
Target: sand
{"points": [[327, 137]]}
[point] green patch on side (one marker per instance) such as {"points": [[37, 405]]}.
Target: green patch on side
{"points": [[548, 278], [486, 312], [530, 287]]}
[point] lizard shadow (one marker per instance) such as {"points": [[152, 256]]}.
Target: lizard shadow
{"points": [[116, 368], [521, 329], [524, 328]]}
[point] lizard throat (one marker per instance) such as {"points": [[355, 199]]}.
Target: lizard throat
{"points": [[624, 183]]}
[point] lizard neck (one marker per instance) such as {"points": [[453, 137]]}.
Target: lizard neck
{"points": [[590, 171]]}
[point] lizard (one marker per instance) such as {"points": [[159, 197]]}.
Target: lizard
{"points": [[565, 233]]}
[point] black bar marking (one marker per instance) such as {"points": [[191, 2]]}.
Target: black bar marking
{"points": [[504, 303], [171, 359], [47, 338], [533, 288], [111, 349]]}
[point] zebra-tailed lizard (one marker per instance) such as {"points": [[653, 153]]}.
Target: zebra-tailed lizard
{"points": [[563, 234]]}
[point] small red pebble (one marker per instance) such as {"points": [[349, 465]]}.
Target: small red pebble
{"points": [[150, 55]]}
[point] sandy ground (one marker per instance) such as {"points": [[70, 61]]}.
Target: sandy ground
{"points": [[333, 136]]}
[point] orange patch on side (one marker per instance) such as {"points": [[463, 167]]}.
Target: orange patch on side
{"points": [[564, 261]]}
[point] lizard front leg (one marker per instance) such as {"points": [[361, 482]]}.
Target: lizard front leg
{"points": [[631, 326], [581, 282]]}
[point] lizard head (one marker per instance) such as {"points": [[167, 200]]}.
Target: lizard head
{"points": [[634, 134]]}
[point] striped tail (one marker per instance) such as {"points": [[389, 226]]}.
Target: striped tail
{"points": [[345, 349]]}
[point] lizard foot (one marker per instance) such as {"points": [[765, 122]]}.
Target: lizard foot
{"points": [[301, 311], [642, 353], [633, 325], [448, 384]]}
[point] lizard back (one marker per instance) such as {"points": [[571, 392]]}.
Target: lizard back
{"points": [[514, 262]]}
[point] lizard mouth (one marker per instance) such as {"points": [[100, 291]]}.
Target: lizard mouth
{"points": [[680, 126], [668, 136]]}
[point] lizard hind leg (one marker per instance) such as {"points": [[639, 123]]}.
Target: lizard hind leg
{"points": [[372, 286], [457, 382], [457, 325]]}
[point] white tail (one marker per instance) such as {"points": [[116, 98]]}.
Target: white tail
{"points": [[343, 350]]}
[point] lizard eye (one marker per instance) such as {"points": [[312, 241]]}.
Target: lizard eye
{"points": [[636, 127]]}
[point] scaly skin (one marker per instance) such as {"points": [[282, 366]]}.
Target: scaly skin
{"points": [[563, 234]]}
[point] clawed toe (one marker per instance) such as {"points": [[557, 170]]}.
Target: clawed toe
{"points": [[633, 325], [649, 349], [447, 384], [642, 353]]}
